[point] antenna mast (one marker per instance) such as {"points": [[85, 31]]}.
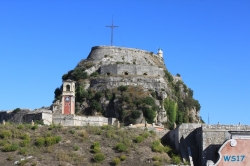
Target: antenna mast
{"points": [[208, 118], [112, 27]]}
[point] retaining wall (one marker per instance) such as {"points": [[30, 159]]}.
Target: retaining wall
{"points": [[73, 120]]}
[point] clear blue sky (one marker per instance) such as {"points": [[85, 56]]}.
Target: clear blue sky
{"points": [[206, 41]]}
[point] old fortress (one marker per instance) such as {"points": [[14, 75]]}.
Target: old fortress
{"points": [[141, 68], [200, 144]]}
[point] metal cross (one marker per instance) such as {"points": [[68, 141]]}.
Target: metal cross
{"points": [[112, 27]]}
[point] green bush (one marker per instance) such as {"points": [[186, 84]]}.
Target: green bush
{"points": [[94, 105], [157, 146], [152, 133], [96, 149], [121, 147], [76, 148], [10, 147], [139, 139], [145, 134], [94, 74], [58, 139], [24, 143], [23, 151], [149, 114], [50, 141], [96, 144], [40, 141], [116, 161], [99, 157], [20, 126], [157, 163], [25, 137], [72, 131], [176, 160], [39, 122], [122, 88], [167, 149], [123, 157], [148, 100], [157, 158], [16, 110], [3, 142], [135, 114], [5, 134], [34, 127]]}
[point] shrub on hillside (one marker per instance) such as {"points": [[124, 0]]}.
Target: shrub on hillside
{"points": [[139, 139], [34, 127], [39, 141], [123, 157], [5, 134], [176, 160], [99, 157], [122, 88], [116, 161], [23, 151], [50, 141], [157, 146], [95, 147], [121, 147], [20, 126], [10, 147], [145, 135]]}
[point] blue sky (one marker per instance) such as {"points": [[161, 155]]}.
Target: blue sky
{"points": [[206, 41]]}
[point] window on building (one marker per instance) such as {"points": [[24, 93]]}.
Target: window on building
{"points": [[108, 74], [67, 88], [145, 74], [125, 73]]}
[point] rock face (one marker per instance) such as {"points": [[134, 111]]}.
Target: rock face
{"points": [[109, 67]]}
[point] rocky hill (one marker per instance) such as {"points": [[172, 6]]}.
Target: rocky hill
{"points": [[132, 85]]}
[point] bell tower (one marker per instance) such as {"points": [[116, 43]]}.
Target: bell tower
{"points": [[68, 97]]}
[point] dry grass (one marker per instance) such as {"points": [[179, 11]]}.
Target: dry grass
{"points": [[75, 145]]}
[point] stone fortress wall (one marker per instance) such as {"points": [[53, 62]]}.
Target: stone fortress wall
{"points": [[202, 140], [125, 69], [127, 66], [113, 55]]}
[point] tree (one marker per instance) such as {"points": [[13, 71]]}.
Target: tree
{"points": [[80, 93], [78, 74], [171, 109], [149, 114], [94, 105], [57, 92]]}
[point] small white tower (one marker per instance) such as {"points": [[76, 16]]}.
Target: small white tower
{"points": [[160, 53], [68, 97]]}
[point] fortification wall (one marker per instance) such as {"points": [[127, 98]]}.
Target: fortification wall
{"points": [[13, 117], [73, 120], [213, 136], [112, 54], [125, 69], [203, 140], [112, 82]]}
